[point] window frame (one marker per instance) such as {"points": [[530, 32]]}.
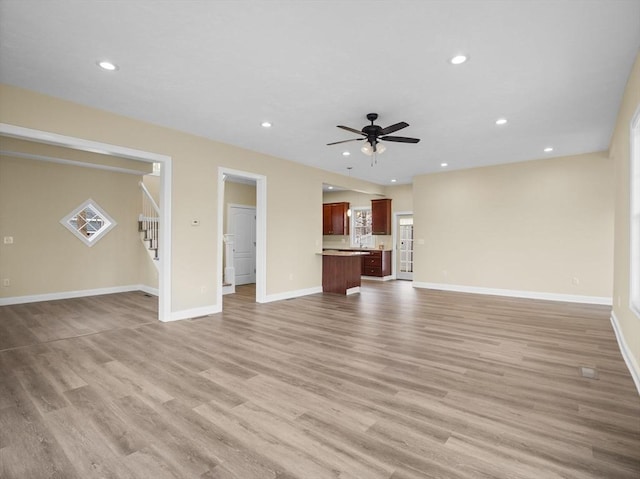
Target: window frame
{"points": [[108, 223], [370, 243]]}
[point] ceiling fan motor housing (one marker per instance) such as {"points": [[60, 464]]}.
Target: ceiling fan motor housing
{"points": [[372, 132]]}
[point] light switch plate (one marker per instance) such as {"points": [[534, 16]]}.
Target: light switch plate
{"points": [[8, 240]]}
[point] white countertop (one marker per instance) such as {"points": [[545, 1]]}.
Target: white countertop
{"points": [[334, 252]]}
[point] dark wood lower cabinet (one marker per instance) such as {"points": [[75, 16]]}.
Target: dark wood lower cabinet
{"points": [[377, 263], [340, 274]]}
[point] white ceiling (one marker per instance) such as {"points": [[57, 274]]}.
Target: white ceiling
{"points": [[555, 69]]}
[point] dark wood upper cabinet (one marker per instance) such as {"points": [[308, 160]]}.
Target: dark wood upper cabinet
{"points": [[335, 220], [381, 216], [327, 223]]}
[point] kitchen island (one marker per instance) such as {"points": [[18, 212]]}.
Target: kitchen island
{"points": [[341, 271]]}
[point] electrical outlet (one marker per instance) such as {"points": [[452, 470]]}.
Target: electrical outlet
{"points": [[575, 281], [6, 282]]}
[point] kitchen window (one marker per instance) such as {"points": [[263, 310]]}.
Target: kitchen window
{"points": [[361, 228]]}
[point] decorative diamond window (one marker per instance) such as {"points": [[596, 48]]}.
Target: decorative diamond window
{"points": [[88, 222]]}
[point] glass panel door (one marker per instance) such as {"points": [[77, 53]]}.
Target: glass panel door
{"points": [[405, 247]]}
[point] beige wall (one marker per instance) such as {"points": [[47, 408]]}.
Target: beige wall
{"points": [[45, 257], [42, 151], [152, 183], [294, 194], [531, 226], [402, 196], [619, 151], [237, 194]]}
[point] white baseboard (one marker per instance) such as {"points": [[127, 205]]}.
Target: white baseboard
{"points": [[36, 298], [568, 298], [149, 290], [194, 312], [629, 359], [291, 294], [378, 278]]}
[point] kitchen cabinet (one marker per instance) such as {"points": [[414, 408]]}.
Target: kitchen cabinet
{"points": [[341, 271], [377, 263], [335, 220], [381, 216]]}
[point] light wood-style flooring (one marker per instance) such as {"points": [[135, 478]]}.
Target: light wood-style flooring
{"points": [[395, 382]]}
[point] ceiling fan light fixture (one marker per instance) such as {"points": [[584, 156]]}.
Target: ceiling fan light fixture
{"points": [[367, 149]]}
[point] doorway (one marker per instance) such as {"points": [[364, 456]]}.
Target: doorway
{"points": [[404, 247], [255, 246], [76, 143]]}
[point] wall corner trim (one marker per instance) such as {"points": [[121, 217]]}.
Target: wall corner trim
{"points": [[291, 294], [567, 298], [629, 359]]}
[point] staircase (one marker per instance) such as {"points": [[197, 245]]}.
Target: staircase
{"points": [[148, 224]]}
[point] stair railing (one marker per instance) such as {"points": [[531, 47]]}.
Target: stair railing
{"points": [[150, 216]]}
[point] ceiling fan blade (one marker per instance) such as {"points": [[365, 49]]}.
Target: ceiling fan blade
{"points": [[392, 128], [352, 130], [400, 139], [345, 141]]}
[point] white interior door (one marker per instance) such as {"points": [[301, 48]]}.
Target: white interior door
{"points": [[242, 224], [405, 247]]}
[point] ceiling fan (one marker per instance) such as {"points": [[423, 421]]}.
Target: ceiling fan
{"points": [[374, 133]]}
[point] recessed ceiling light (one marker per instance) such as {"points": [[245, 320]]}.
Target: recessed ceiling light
{"points": [[501, 121], [105, 65], [458, 59], [393, 180], [266, 124], [548, 149], [345, 153], [329, 187], [444, 164]]}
